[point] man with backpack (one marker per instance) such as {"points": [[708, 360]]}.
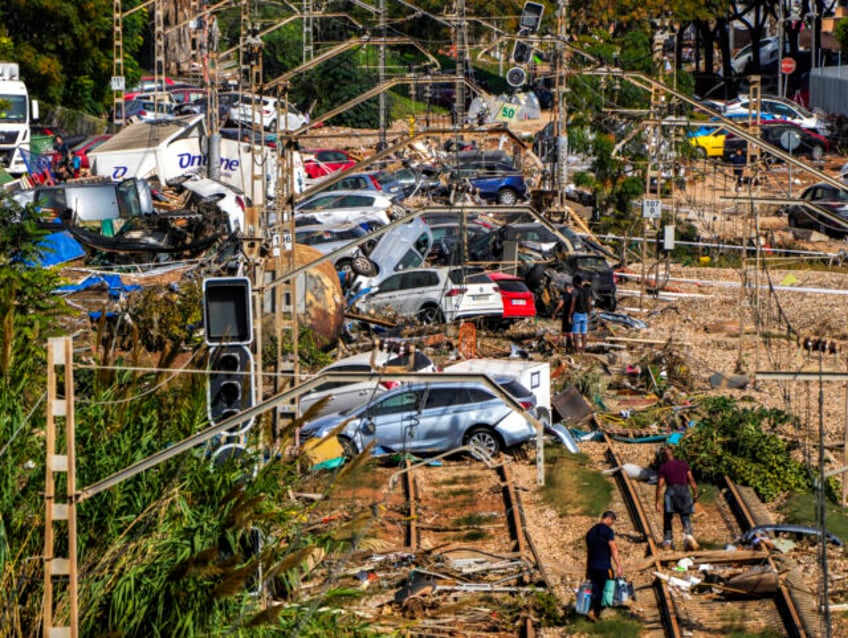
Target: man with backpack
{"points": [[581, 308]]}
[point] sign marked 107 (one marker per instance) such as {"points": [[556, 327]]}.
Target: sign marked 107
{"points": [[651, 209]]}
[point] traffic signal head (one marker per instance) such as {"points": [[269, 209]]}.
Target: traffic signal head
{"points": [[531, 16], [227, 315], [229, 387], [522, 52]]}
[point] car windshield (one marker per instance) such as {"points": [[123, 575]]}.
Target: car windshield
{"points": [[595, 264], [13, 108]]}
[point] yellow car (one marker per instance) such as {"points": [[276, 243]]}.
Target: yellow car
{"points": [[709, 141]]}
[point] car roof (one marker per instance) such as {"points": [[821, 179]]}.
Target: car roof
{"points": [[365, 358]]}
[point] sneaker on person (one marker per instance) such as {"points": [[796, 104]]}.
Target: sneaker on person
{"points": [[689, 543], [667, 545], [592, 616]]}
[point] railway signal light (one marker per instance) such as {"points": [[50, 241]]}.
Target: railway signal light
{"points": [[227, 314], [229, 385]]}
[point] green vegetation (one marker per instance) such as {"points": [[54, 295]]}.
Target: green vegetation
{"points": [[613, 623], [469, 520], [572, 486], [743, 444], [800, 509], [174, 549]]}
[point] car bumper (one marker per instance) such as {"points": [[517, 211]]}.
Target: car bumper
{"points": [[515, 430]]}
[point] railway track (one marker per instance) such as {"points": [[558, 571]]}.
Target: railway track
{"points": [[791, 611], [468, 519]]}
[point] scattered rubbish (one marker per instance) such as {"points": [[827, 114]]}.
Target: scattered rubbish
{"points": [[789, 280], [799, 530], [571, 406], [329, 464], [685, 563], [562, 433], [645, 474]]}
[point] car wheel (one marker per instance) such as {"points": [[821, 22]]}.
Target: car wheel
{"points": [[545, 417], [701, 152], [484, 437], [817, 152], [344, 266], [348, 448], [363, 266], [430, 313], [368, 246], [507, 197]]}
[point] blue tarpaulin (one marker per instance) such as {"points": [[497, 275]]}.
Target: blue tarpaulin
{"points": [[58, 249], [113, 282]]}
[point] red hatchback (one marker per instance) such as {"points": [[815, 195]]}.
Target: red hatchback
{"points": [[324, 161], [518, 301]]}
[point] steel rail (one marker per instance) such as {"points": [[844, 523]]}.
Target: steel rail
{"points": [[665, 604], [789, 612]]}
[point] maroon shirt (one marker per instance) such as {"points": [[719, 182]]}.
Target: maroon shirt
{"points": [[674, 472]]}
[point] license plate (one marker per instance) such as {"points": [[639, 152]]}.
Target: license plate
{"points": [[479, 297], [519, 302]]}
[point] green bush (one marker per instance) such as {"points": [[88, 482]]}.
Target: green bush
{"points": [[742, 443]]}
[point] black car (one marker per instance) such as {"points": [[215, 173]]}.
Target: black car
{"points": [[786, 136], [830, 198]]}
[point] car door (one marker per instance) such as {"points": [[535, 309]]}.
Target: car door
{"points": [[392, 421], [388, 293], [443, 420]]}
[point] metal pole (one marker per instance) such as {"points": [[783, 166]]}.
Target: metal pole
{"points": [[384, 102], [561, 125]]}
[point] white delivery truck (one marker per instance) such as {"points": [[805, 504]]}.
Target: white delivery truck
{"points": [[177, 147], [533, 375], [16, 114]]}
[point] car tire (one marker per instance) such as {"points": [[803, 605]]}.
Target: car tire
{"points": [[363, 266], [817, 152], [430, 313], [345, 266], [507, 197], [484, 437], [701, 152], [348, 448], [368, 246]]}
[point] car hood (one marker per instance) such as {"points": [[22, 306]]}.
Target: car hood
{"points": [[323, 425]]}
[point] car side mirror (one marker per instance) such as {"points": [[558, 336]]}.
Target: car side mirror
{"points": [[368, 428]]}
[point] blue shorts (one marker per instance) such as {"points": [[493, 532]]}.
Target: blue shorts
{"points": [[579, 323]]}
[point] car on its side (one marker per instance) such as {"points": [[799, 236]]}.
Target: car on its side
{"points": [[432, 417], [518, 301], [326, 239], [265, 112], [780, 108], [324, 161], [342, 396], [402, 248], [436, 295], [769, 52], [830, 198], [787, 136]]}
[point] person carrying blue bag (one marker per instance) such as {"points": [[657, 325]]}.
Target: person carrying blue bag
{"points": [[602, 552]]}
